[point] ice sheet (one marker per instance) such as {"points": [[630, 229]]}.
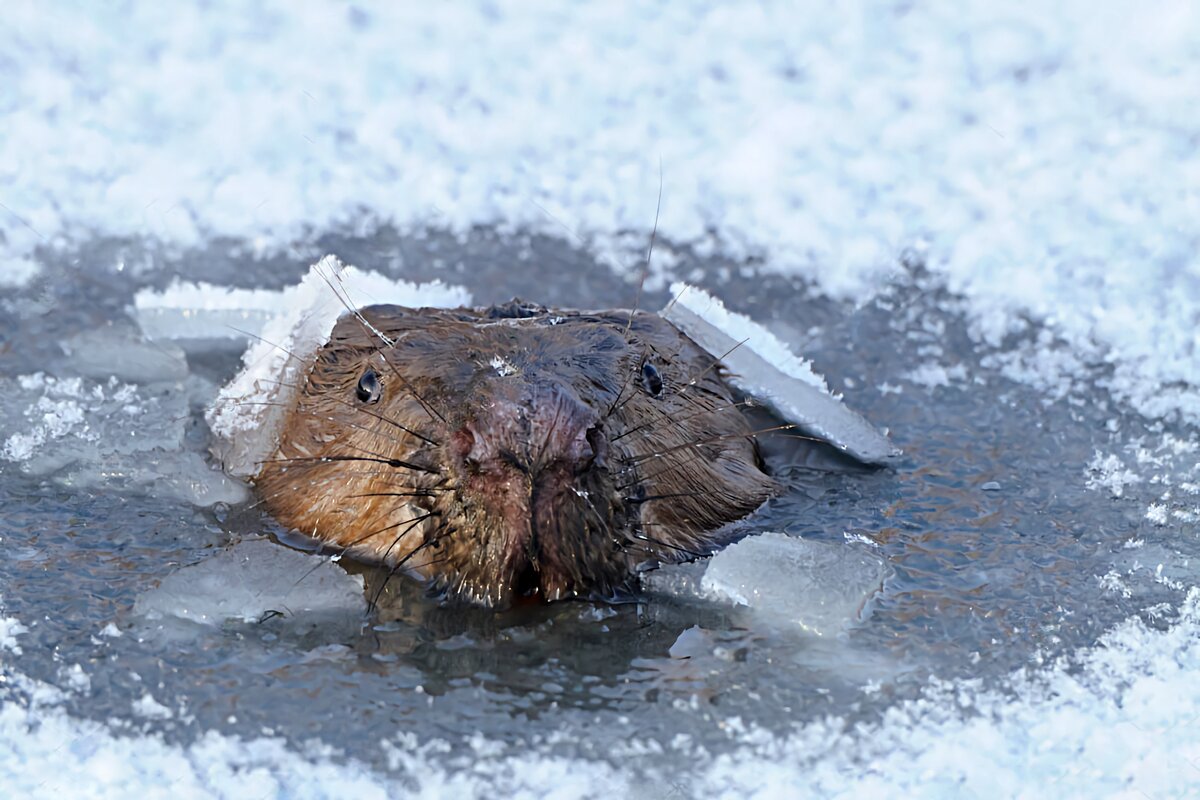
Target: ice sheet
{"points": [[763, 367], [247, 413]]}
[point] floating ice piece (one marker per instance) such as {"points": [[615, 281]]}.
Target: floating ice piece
{"points": [[190, 310], [108, 433], [766, 369], [247, 413], [821, 588], [251, 581]]}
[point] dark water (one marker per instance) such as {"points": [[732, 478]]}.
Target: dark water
{"points": [[995, 543]]}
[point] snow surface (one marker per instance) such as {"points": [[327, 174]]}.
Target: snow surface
{"points": [[1124, 723], [1041, 157], [1032, 154]]}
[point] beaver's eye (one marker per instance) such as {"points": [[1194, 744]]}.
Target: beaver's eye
{"points": [[368, 389], [651, 379]]}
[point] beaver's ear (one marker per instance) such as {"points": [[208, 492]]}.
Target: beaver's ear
{"points": [[762, 366]]}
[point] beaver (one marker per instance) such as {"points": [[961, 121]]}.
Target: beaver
{"points": [[515, 451]]}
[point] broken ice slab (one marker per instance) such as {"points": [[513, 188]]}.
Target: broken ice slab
{"points": [[246, 416], [256, 580], [109, 434], [763, 367], [818, 587], [187, 310]]}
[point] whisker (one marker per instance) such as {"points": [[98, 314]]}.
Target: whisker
{"points": [[429, 409], [658, 542], [685, 418], [411, 523], [649, 252], [674, 300], [707, 440], [374, 601], [343, 295], [651, 498], [356, 407], [391, 462], [714, 363]]}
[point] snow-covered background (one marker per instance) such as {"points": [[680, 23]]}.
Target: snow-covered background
{"points": [[1043, 161]]}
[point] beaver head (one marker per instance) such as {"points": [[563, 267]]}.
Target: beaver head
{"points": [[514, 451]]}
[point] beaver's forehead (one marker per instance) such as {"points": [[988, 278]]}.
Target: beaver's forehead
{"points": [[538, 339]]}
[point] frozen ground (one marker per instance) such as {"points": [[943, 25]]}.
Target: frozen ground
{"points": [[982, 219]]}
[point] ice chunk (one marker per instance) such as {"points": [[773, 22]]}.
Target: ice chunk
{"points": [[765, 368], [247, 413], [252, 580], [107, 433], [819, 587], [189, 310]]}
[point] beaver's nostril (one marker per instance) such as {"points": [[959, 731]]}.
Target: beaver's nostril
{"points": [[594, 451], [462, 445]]}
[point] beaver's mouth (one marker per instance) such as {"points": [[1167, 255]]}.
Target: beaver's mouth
{"points": [[527, 583], [518, 531]]}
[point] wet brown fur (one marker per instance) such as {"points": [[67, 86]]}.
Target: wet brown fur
{"points": [[516, 450]]}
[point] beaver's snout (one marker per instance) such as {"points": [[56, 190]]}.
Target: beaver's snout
{"points": [[527, 467]]}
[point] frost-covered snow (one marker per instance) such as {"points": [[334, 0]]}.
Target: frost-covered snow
{"points": [[1123, 723], [1042, 158]]}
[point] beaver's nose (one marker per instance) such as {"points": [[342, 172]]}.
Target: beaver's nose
{"points": [[576, 453]]}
